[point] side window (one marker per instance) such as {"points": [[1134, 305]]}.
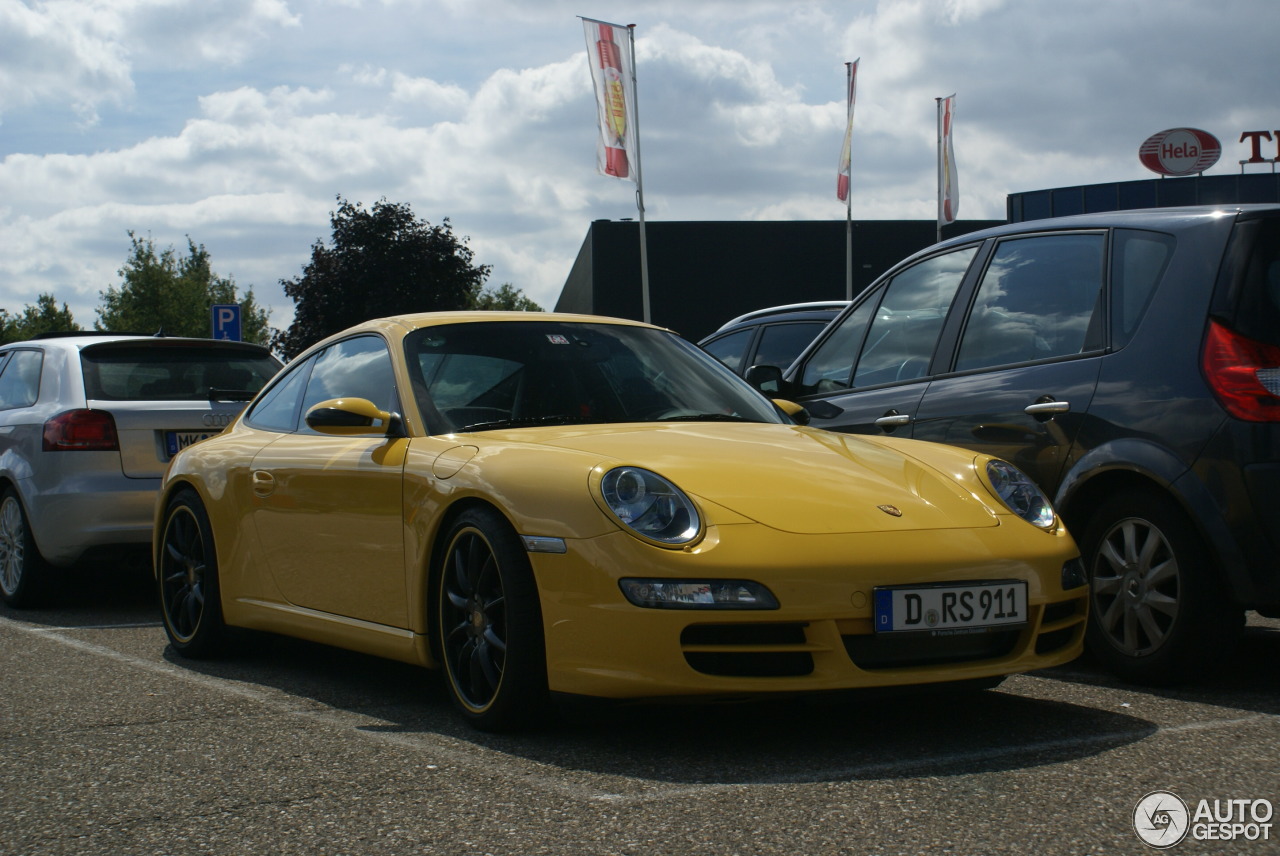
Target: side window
{"points": [[730, 348], [1037, 300], [278, 408], [907, 325], [892, 334], [830, 367], [1138, 261], [20, 380], [355, 368], [780, 344]]}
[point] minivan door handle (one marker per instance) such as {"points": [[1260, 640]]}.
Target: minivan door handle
{"points": [[892, 420], [1047, 409]]}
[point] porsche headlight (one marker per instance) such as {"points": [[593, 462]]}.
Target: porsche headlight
{"points": [[650, 506], [1020, 494]]}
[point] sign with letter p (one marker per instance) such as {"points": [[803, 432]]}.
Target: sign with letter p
{"points": [[226, 321]]}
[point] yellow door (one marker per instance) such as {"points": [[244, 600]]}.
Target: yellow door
{"points": [[329, 518]]}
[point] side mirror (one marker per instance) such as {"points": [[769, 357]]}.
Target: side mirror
{"points": [[795, 411], [348, 417], [767, 379]]}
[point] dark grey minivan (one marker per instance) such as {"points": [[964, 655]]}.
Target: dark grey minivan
{"points": [[1130, 363]]}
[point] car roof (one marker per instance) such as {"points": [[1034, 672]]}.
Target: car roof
{"points": [[810, 309], [1162, 218], [401, 324], [75, 341]]}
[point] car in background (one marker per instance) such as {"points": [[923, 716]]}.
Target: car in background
{"points": [[774, 336], [1129, 362], [88, 423], [541, 503]]}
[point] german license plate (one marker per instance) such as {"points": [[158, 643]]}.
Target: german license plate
{"points": [[967, 606], [176, 441]]}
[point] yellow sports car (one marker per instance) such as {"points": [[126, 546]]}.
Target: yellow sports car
{"points": [[542, 503]]}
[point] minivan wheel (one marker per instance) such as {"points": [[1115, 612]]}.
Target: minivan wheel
{"points": [[23, 572], [1159, 612]]}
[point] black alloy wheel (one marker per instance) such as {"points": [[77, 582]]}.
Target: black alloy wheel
{"points": [[1159, 613], [489, 627], [187, 576]]}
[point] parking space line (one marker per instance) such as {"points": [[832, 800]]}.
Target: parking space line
{"points": [[462, 753]]}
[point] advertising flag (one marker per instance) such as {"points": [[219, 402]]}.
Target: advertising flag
{"points": [[614, 79], [948, 186], [842, 176]]}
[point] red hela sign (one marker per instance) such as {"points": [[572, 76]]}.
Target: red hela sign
{"points": [[1180, 151]]}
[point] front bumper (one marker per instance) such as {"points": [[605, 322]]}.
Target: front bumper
{"points": [[821, 637]]}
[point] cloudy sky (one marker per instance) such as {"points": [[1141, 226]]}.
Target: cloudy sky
{"points": [[238, 122]]}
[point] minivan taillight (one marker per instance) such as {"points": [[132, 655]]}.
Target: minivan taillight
{"points": [[81, 431], [1244, 374]]}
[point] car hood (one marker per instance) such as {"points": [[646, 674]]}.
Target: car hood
{"points": [[796, 479]]}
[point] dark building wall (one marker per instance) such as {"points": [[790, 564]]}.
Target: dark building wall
{"points": [[701, 274], [1149, 193]]}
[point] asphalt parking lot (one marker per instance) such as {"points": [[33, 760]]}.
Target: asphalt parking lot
{"points": [[112, 745]]}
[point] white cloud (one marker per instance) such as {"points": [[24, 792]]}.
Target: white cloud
{"points": [[239, 122]]}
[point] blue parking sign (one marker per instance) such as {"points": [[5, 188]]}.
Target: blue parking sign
{"points": [[226, 321]]}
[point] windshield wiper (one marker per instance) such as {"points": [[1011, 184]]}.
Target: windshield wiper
{"points": [[706, 417], [216, 394], [524, 422]]}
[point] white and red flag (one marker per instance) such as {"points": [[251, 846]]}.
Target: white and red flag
{"points": [[842, 176], [948, 186], [614, 78]]}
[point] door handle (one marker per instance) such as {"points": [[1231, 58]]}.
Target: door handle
{"points": [[892, 420], [264, 484], [1047, 409]]}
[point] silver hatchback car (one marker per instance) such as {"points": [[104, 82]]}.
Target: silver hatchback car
{"points": [[88, 423]]}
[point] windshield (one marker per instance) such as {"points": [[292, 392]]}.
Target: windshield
{"points": [[483, 376]]}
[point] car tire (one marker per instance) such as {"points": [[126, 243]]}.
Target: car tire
{"points": [[489, 630], [24, 574], [1159, 612], [187, 580]]}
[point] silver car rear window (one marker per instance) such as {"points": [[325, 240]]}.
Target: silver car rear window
{"points": [[174, 372]]}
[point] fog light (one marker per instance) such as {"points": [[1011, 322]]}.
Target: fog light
{"points": [[1073, 575], [697, 594]]}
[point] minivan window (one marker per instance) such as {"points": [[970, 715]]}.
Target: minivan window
{"points": [[1138, 261], [1036, 300], [1253, 268], [903, 333]]}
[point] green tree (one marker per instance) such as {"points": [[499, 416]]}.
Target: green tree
{"points": [[171, 293], [505, 296], [44, 317], [382, 261]]}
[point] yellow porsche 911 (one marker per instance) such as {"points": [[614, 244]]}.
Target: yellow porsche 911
{"points": [[542, 504]]}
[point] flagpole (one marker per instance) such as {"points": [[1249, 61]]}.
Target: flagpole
{"points": [[849, 210], [937, 110], [644, 247]]}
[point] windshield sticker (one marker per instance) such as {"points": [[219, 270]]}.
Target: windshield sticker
{"points": [[557, 339]]}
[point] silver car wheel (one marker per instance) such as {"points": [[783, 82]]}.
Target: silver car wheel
{"points": [[1136, 586], [13, 540]]}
